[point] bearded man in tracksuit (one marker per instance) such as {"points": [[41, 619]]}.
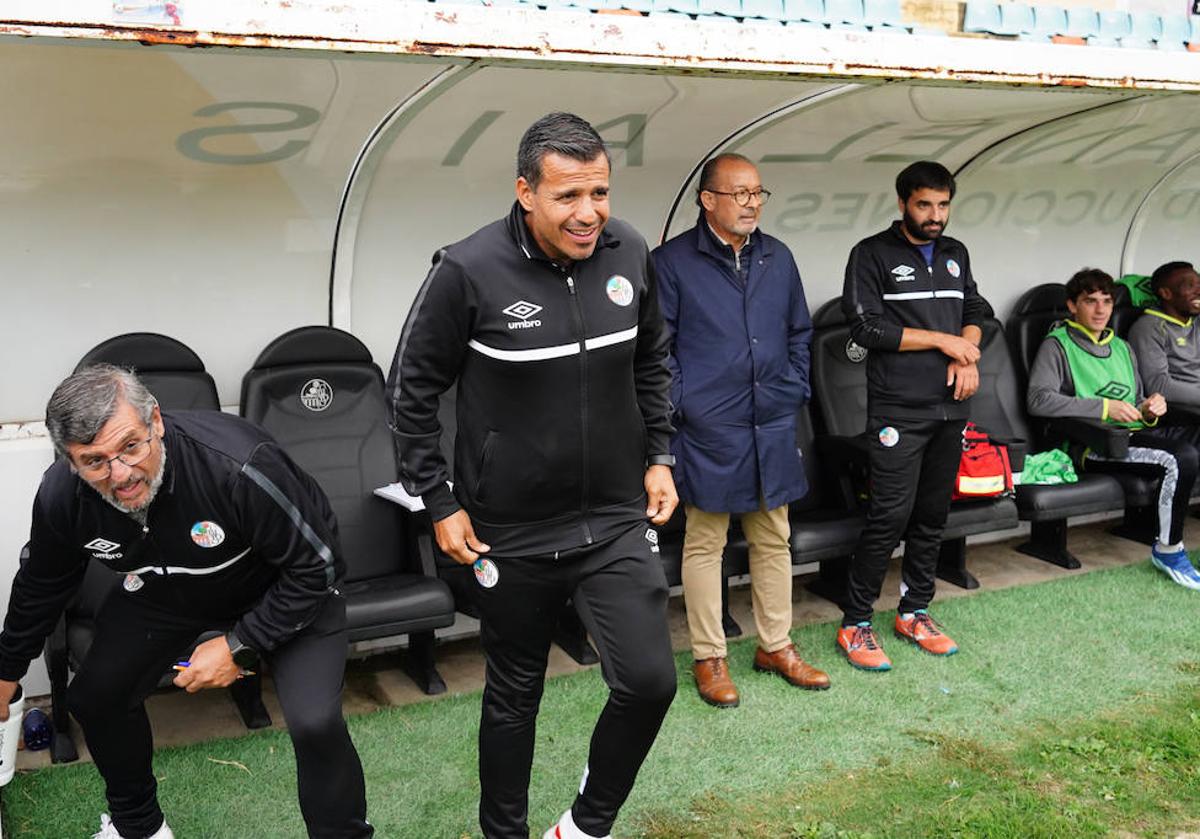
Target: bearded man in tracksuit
{"points": [[912, 303], [212, 527], [548, 321]]}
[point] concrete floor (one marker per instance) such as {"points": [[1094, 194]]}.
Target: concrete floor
{"points": [[376, 681]]}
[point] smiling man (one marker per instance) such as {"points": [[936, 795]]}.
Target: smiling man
{"points": [[1166, 338], [547, 322], [212, 527]]}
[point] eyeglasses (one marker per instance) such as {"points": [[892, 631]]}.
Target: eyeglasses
{"points": [[98, 468], [743, 196]]}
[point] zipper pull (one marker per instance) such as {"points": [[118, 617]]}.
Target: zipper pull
{"points": [[570, 285]]}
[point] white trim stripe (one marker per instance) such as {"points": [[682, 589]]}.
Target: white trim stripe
{"points": [[924, 295], [557, 351], [179, 569]]}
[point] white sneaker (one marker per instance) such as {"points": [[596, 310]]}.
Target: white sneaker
{"points": [[566, 829], [108, 830]]}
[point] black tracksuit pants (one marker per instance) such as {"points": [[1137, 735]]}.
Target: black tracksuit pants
{"points": [[138, 639], [620, 592], [911, 484]]}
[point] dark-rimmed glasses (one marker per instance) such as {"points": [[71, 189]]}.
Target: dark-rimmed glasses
{"points": [[98, 468], [742, 196]]}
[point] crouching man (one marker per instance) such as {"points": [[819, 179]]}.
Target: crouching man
{"points": [[212, 527], [1082, 369]]}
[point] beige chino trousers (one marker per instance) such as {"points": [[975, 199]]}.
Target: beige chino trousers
{"points": [[767, 532]]}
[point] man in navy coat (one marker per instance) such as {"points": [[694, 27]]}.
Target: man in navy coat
{"points": [[740, 334]]}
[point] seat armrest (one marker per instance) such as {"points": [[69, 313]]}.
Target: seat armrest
{"points": [[1181, 413], [1103, 438]]}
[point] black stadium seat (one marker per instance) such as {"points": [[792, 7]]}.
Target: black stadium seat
{"points": [[840, 393], [1035, 312], [177, 378], [999, 409], [317, 391]]}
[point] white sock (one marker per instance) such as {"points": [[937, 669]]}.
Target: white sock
{"points": [[569, 830], [1166, 549]]}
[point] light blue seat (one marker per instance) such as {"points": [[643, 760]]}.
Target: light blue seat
{"points": [[729, 8], [634, 5], [1145, 26], [683, 7], [1049, 21], [763, 10], [1015, 18], [1082, 23], [1115, 25], [883, 13], [810, 11], [1176, 32], [844, 12], [981, 17]]}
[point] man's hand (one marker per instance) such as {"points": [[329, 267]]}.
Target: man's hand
{"points": [[1123, 411], [211, 667], [958, 349], [1154, 406], [660, 490], [7, 689], [964, 377], [456, 537]]}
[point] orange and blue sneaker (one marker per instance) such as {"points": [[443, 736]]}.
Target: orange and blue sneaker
{"points": [[922, 630], [857, 643]]}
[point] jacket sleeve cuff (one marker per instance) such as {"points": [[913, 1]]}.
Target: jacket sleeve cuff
{"points": [[1104, 409], [12, 670], [660, 460], [440, 502]]}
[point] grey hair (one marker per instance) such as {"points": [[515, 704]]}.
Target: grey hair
{"points": [[558, 133], [88, 398], [708, 174]]}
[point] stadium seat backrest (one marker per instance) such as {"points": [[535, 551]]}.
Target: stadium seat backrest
{"points": [[839, 373], [981, 17], [998, 407], [1176, 32], [812, 11], [1082, 22], [317, 391], [882, 13], [1033, 314], [844, 11], [1115, 24], [1145, 26], [1124, 312], [169, 369], [1015, 18], [1050, 20]]}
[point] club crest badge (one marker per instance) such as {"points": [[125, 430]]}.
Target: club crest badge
{"points": [[316, 395], [888, 436], [207, 534], [855, 352], [486, 573], [619, 290], [953, 268], [132, 583]]}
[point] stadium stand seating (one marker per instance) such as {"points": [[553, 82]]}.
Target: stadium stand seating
{"points": [[840, 395], [347, 446], [177, 378]]}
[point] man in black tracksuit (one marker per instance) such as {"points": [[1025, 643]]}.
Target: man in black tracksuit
{"points": [[912, 304], [548, 322], [212, 527]]}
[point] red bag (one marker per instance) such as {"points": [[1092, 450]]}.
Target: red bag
{"points": [[983, 470]]}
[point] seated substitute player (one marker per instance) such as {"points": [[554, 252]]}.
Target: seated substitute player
{"points": [[1083, 369], [1166, 339]]}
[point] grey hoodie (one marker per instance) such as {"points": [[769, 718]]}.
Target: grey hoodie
{"points": [[1168, 356], [1052, 387]]}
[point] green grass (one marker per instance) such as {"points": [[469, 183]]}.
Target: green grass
{"points": [[1064, 693]]}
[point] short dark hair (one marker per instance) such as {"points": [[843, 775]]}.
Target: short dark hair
{"points": [[708, 172], [1088, 280], [560, 133], [1165, 272], [88, 398], [924, 174]]}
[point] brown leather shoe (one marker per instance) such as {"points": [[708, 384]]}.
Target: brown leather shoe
{"points": [[714, 684], [788, 663]]}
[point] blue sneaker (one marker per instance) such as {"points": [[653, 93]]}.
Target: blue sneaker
{"points": [[1177, 566]]}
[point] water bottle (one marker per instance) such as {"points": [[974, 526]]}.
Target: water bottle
{"points": [[10, 733]]}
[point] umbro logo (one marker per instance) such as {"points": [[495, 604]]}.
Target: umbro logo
{"points": [[1115, 390], [523, 310], [903, 273], [103, 548]]}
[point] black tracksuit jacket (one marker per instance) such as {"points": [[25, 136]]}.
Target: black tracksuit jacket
{"points": [[562, 388], [266, 567], [889, 287]]}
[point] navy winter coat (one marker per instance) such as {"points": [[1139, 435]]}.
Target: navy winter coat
{"points": [[739, 364]]}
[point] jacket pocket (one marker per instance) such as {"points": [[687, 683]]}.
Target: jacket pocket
{"points": [[485, 462]]}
